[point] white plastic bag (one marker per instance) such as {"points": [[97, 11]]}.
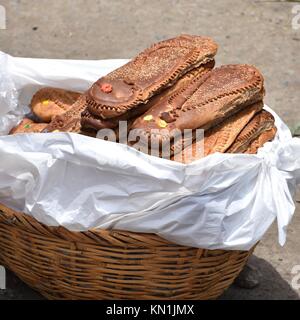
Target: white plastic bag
{"points": [[224, 201]]}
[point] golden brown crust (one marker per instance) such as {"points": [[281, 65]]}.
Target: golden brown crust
{"points": [[263, 121], [204, 102], [70, 120], [258, 142], [92, 122], [220, 137], [49, 102], [28, 126], [149, 73]]}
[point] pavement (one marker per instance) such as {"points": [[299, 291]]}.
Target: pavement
{"points": [[263, 33]]}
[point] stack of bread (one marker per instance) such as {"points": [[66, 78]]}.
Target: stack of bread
{"points": [[171, 86]]}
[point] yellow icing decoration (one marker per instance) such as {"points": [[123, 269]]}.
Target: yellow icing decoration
{"points": [[162, 123], [56, 131], [149, 117], [45, 102]]}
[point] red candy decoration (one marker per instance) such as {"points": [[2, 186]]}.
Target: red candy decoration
{"points": [[106, 87]]}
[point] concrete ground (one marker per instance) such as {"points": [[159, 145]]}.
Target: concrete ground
{"points": [[255, 32]]}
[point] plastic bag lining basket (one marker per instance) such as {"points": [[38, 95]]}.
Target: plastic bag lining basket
{"points": [[109, 264]]}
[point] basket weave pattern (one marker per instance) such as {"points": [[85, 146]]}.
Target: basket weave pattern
{"points": [[109, 264]]}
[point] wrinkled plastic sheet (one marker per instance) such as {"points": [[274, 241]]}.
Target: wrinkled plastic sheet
{"points": [[223, 201]]}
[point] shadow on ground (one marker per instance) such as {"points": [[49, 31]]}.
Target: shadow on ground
{"points": [[272, 287], [17, 290]]}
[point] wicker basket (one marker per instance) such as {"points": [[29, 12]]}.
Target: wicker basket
{"points": [[103, 264]]}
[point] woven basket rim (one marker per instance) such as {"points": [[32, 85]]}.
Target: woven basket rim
{"points": [[102, 236], [112, 237]]}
